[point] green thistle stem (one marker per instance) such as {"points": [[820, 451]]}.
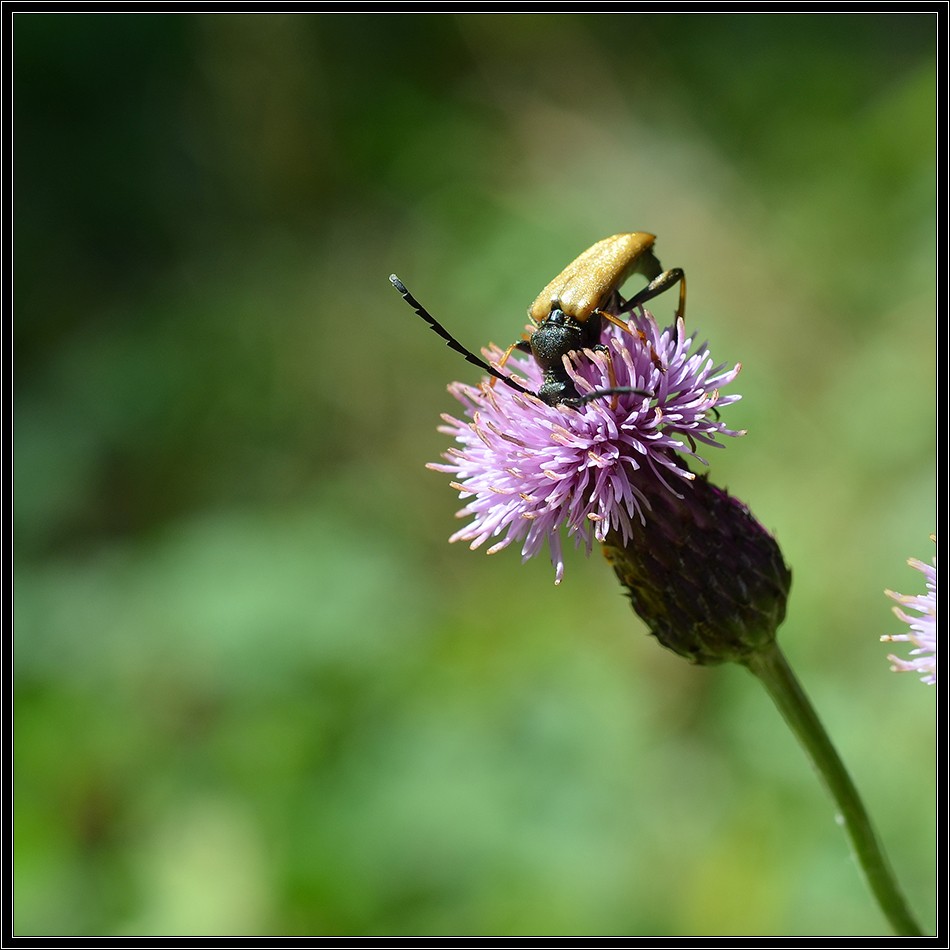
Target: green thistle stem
{"points": [[771, 667]]}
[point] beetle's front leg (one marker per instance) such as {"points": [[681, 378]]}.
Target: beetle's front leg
{"points": [[524, 344]]}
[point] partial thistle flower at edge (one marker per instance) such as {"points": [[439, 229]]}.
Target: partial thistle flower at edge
{"points": [[923, 628], [529, 469]]}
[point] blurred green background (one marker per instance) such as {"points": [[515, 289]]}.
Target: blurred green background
{"points": [[256, 691]]}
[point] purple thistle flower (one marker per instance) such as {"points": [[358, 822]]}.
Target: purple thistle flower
{"points": [[923, 628], [530, 469]]}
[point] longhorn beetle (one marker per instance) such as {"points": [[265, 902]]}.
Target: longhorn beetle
{"points": [[569, 314]]}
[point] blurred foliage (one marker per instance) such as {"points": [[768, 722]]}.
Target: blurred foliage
{"points": [[256, 693]]}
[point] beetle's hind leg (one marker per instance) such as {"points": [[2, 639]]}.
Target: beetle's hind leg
{"points": [[657, 286]]}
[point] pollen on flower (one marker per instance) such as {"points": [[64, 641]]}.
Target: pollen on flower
{"points": [[922, 631], [530, 471]]}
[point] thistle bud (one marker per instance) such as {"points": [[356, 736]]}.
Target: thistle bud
{"points": [[707, 579]]}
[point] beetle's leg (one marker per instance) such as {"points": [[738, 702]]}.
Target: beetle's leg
{"points": [[611, 375], [617, 322], [656, 286], [654, 356], [523, 344], [613, 390]]}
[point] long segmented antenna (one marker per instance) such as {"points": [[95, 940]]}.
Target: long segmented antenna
{"points": [[453, 344], [450, 340]]}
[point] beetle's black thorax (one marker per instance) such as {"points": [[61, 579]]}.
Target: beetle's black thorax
{"points": [[557, 336]]}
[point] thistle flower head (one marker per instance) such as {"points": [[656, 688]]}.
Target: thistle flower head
{"points": [[528, 469], [923, 627]]}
